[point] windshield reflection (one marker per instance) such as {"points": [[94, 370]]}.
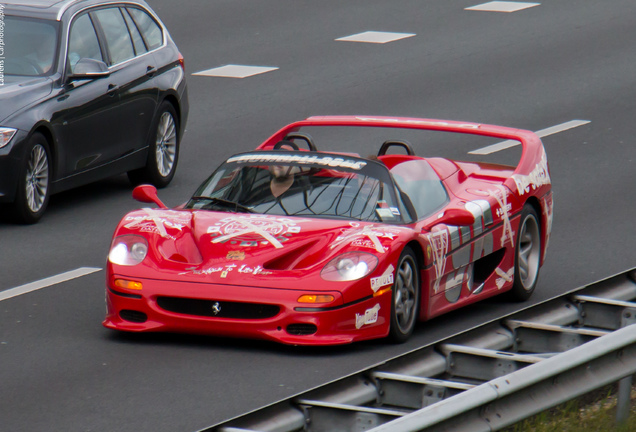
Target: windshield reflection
{"points": [[299, 190], [30, 46]]}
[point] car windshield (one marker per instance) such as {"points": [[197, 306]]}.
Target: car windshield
{"points": [[308, 184], [30, 46]]}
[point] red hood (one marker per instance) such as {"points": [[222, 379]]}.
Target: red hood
{"points": [[206, 244]]}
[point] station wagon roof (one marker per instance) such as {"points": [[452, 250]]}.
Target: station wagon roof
{"points": [[51, 9]]}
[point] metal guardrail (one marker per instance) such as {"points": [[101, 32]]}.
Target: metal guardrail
{"points": [[484, 379], [507, 400]]}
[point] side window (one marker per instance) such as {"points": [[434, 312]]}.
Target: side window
{"points": [[138, 42], [83, 41], [115, 30], [150, 30], [420, 182]]}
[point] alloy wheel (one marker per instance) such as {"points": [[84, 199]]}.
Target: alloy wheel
{"points": [[529, 253], [405, 295], [37, 178], [166, 144]]}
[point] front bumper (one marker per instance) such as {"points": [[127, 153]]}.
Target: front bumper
{"points": [[243, 312], [11, 160]]}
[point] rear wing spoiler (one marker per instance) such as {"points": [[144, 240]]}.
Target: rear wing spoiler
{"points": [[532, 169]]}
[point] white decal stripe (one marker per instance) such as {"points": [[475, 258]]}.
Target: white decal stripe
{"points": [[157, 221], [251, 229], [504, 276], [502, 200], [53, 280], [542, 133]]}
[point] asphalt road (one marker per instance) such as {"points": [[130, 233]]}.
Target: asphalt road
{"points": [[532, 69]]}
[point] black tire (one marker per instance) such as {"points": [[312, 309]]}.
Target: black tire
{"points": [[163, 150], [34, 182], [406, 297], [527, 255]]}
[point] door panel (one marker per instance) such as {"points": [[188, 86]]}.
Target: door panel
{"points": [[85, 110], [465, 258], [104, 119], [133, 72]]}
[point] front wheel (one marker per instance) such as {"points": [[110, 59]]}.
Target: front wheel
{"points": [[33, 182], [163, 150], [527, 255], [406, 297]]}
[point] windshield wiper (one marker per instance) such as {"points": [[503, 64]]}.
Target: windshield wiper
{"points": [[223, 203]]}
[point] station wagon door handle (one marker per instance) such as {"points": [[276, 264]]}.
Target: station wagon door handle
{"points": [[151, 70], [112, 89]]}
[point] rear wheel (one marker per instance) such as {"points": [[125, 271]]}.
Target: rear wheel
{"points": [[406, 297], [163, 150], [527, 255], [33, 182]]}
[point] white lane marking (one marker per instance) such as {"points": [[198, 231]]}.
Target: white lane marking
{"points": [[542, 133], [502, 6], [235, 71], [43, 283], [375, 37]]}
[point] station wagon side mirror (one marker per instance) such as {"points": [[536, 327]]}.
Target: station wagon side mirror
{"points": [[454, 216], [147, 194], [88, 68]]}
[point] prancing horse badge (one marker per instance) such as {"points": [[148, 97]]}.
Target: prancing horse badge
{"points": [[216, 308]]}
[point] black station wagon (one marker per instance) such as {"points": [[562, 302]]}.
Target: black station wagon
{"points": [[88, 89]]}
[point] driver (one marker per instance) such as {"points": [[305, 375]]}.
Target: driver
{"points": [[282, 179], [282, 176], [42, 54]]}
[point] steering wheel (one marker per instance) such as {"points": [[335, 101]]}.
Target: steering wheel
{"points": [[396, 143], [303, 136]]}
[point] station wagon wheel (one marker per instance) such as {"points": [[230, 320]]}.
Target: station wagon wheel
{"points": [[527, 255], [406, 297], [33, 182], [163, 150]]}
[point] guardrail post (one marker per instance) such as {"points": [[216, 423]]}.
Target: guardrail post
{"points": [[624, 399]]}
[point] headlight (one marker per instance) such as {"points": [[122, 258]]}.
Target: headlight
{"points": [[128, 250], [5, 135], [349, 266]]}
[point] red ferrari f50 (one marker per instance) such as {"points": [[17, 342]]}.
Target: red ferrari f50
{"points": [[307, 247]]}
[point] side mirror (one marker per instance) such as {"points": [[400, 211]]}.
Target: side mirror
{"points": [[147, 194], [454, 216], [88, 68]]}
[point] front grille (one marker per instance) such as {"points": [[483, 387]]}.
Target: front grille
{"points": [[133, 316], [301, 329], [217, 309]]}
